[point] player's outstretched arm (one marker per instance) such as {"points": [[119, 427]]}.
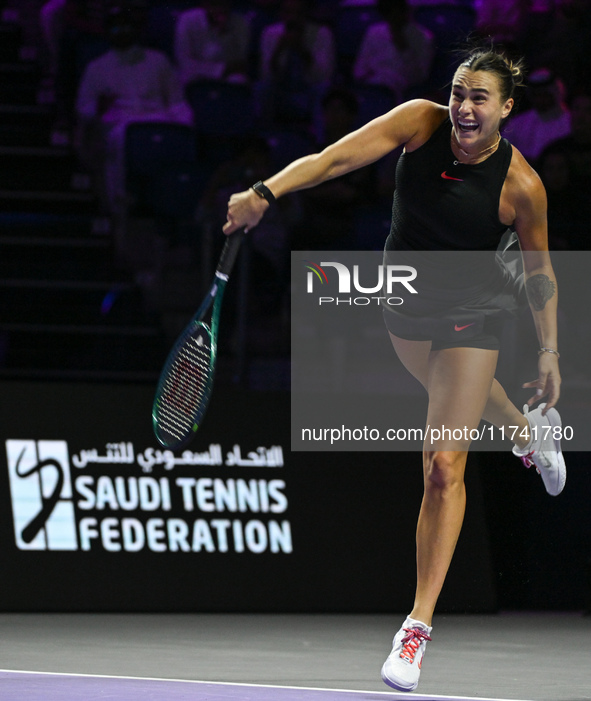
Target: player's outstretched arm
{"points": [[404, 124]]}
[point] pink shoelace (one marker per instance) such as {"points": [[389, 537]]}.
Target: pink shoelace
{"points": [[527, 460], [411, 643]]}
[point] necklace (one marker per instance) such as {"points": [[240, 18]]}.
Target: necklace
{"points": [[454, 140]]}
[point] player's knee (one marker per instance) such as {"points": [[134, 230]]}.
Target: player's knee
{"points": [[444, 470]]}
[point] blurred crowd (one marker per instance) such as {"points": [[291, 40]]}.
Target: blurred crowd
{"points": [[307, 73]]}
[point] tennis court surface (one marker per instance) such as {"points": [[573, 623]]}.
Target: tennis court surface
{"points": [[33, 686], [247, 657]]}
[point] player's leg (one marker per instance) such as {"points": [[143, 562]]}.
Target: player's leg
{"points": [[539, 446], [458, 382], [499, 410]]}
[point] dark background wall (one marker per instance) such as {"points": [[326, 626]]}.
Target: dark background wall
{"points": [[351, 518]]}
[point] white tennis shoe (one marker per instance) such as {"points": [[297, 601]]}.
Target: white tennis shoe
{"points": [[402, 669], [543, 449]]}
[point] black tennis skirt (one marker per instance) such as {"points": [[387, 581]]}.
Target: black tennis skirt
{"points": [[462, 298]]}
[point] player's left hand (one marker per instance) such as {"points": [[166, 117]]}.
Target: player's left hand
{"points": [[548, 382]]}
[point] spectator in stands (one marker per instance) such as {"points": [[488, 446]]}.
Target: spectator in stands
{"points": [[82, 36], [127, 84], [569, 209], [566, 49], [538, 27], [547, 120], [503, 20], [396, 53], [328, 210], [261, 14], [297, 63], [577, 145], [212, 43], [269, 244]]}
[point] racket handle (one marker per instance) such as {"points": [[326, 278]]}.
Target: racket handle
{"points": [[229, 253]]}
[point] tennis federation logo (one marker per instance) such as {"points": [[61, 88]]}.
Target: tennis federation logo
{"points": [[41, 493]]}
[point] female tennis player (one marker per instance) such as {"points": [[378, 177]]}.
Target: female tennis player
{"points": [[459, 186]]}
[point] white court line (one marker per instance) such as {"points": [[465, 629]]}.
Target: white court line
{"points": [[390, 694]]}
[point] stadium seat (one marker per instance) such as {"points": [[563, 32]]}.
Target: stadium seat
{"points": [[162, 168], [221, 109]]}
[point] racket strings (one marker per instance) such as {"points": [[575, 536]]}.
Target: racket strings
{"points": [[185, 386]]}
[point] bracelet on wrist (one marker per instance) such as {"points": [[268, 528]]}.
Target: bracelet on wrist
{"points": [[549, 350], [263, 192]]}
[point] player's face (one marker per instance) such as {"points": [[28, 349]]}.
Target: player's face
{"points": [[476, 108]]}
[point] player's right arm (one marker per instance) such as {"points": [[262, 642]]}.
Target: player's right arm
{"points": [[409, 124]]}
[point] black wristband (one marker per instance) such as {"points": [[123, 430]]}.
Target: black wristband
{"points": [[263, 192]]}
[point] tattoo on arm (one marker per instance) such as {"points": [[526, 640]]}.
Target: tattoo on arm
{"points": [[539, 290]]}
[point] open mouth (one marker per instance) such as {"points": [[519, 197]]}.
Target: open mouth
{"points": [[467, 127]]}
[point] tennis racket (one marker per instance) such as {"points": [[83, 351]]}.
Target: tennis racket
{"points": [[186, 380]]}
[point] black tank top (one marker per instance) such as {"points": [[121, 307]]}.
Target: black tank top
{"points": [[441, 204], [445, 223]]}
